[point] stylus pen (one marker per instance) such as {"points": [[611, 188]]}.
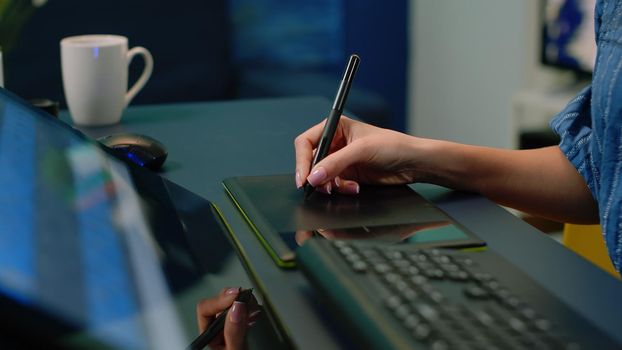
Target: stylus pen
{"points": [[333, 117], [219, 323]]}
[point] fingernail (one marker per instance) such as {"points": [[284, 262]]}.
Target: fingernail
{"points": [[324, 189], [254, 313], [337, 181], [317, 176], [298, 180], [250, 324], [230, 291], [236, 312], [350, 187], [325, 233]]}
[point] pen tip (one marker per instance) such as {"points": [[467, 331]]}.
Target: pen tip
{"points": [[308, 190]]}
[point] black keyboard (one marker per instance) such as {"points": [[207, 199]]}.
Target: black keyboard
{"points": [[401, 297]]}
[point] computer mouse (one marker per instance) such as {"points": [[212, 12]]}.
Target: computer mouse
{"points": [[140, 149]]}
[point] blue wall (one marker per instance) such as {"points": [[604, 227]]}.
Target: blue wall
{"points": [[378, 31]]}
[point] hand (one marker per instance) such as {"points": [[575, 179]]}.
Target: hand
{"points": [[360, 153], [239, 318]]}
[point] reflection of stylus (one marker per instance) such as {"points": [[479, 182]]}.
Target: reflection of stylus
{"points": [[333, 118]]}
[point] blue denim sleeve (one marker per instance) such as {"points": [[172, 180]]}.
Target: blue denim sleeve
{"points": [[583, 145], [574, 127], [590, 127]]}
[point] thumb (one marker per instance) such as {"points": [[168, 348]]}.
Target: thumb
{"points": [[235, 326], [336, 163]]}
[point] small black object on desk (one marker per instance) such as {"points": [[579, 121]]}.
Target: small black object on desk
{"points": [[140, 149]]}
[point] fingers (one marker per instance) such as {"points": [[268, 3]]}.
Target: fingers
{"points": [[304, 145], [302, 235], [236, 325], [241, 316], [348, 187], [207, 309], [252, 317], [334, 164]]}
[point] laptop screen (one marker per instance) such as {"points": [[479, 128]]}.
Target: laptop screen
{"points": [[75, 236]]}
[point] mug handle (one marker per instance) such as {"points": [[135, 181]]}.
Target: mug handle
{"points": [[144, 77]]}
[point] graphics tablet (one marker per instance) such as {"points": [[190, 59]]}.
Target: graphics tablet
{"points": [[283, 219]]}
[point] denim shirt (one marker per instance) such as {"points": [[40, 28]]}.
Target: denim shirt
{"points": [[590, 127]]}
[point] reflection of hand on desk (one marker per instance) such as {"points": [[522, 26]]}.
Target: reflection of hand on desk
{"points": [[238, 315], [385, 234]]}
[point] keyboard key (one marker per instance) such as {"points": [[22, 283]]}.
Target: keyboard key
{"points": [[512, 302], [527, 312], [346, 250], [403, 312], [458, 276], [410, 270], [412, 321], [482, 276], [441, 259], [433, 252], [543, 324], [492, 285], [340, 244], [476, 292], [393, 302], [436, 297], [394, 255], [409, 294], [353, 258], [422, 332], [369, 253], [439, 344], [427, 312], [392, 277], [360, 266], [463, 261], [434, 273], [382, 268], [401, 263], [424, 266], [419, 280], [401, 285], [484, 318], [517, 325], [450, 267], [418, 257]]}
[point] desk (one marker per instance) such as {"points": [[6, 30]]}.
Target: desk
{"points": [[208, 142]]}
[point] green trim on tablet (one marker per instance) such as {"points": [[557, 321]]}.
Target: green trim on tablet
{"points": [[288, 264], [475, 249]]}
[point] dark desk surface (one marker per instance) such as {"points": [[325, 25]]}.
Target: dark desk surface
{"points": [[209, 142]]}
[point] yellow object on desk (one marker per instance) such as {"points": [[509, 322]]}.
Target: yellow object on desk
{"points": [[587, 241]]}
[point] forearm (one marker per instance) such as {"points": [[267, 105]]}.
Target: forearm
{"points": [[540, 181]]}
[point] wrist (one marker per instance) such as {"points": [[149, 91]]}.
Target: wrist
{"points": [[443, 163]]}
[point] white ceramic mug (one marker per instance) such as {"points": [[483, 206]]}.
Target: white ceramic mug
{"points": [[94, 71]]}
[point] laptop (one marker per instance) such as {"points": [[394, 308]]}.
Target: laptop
{"points": [[94, 252]]}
